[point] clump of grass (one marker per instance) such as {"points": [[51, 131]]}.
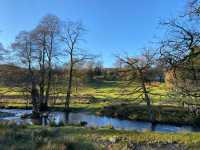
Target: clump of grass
{"points": [[65, 143], [109, 126], [54, 124], [41, 133], [39, 137]]}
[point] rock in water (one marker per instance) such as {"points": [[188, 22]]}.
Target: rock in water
{"points": [[83, 123]]}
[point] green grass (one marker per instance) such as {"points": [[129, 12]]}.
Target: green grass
{"points": [[105, 93], [105, 90], [116, 91], [10, 91], [75, 137]]}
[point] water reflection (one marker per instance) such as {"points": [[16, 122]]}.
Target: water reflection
{"points": [[93, 120]]}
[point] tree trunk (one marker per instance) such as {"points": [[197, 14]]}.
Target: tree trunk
{"points": [[35, 101], [146, 98], [49, 71], [48, 87], [67, 102], [43, 105], [34, 91]]}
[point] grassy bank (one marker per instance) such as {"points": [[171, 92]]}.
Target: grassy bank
{"points": [[162, 113], [75, 137]]}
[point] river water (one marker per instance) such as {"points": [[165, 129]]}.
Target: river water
{"points": [[93, 121]]}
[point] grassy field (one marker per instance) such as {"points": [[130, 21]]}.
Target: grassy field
{"points": [[76, 137], [101, 92]]}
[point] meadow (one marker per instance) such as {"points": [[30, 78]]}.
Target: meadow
{"points": [[97, 94]]}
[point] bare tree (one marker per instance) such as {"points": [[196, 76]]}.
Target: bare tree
{"points": [[45, 37], [137, 69], [180, 50], [52, 25], [72, 35], [24, 46], [38, 52]]}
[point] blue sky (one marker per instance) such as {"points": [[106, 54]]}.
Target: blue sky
{"points": [[113, 26]]}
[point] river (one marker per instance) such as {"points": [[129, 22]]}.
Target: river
{"points": [[94, 121]]}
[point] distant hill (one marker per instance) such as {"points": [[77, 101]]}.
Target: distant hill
{"points": [[10, 74]]}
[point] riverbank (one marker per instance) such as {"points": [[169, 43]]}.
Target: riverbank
{"points": [[166, 114], [76, 137]]}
